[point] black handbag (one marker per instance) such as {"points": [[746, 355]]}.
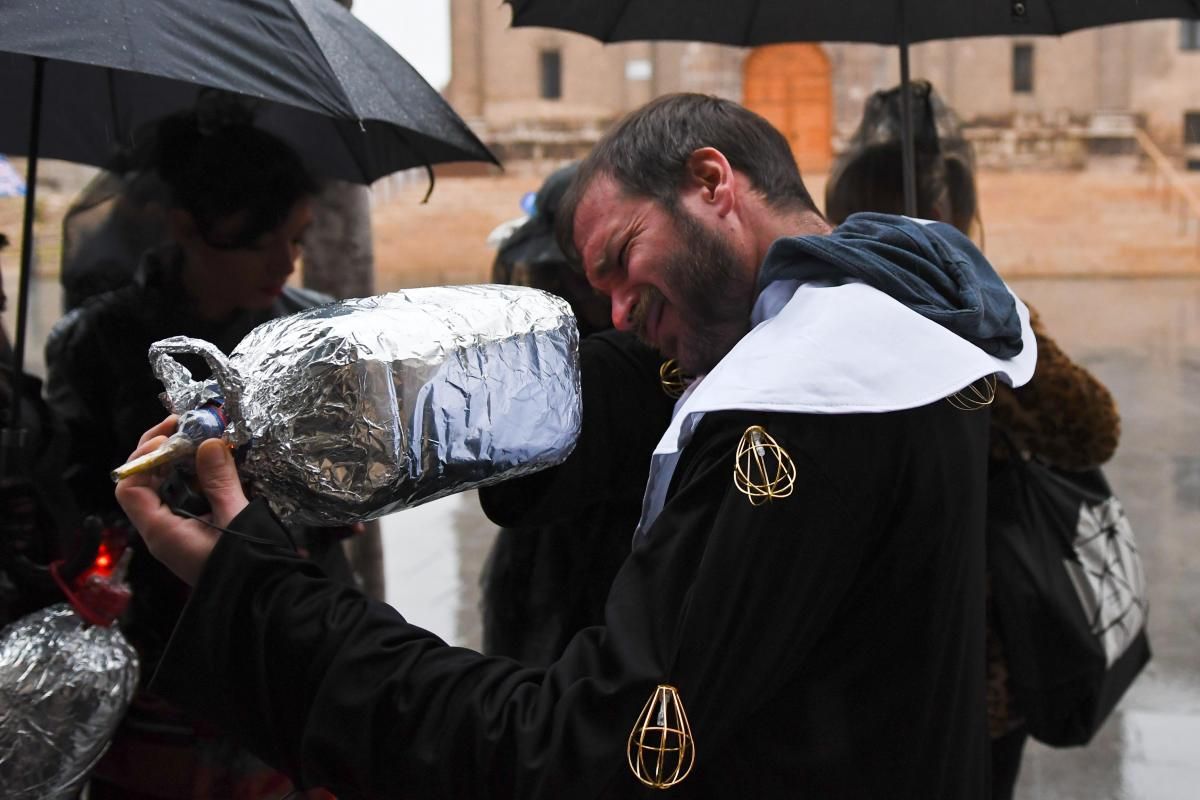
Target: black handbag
{"points": [[1068, 593]]}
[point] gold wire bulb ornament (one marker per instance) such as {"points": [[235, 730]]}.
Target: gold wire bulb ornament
{"points": [[979, 394], [661, 750], [674, 382], [763, 470]]}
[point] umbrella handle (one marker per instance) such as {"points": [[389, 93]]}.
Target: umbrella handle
{"points": [[27, 243], [907, 145]]}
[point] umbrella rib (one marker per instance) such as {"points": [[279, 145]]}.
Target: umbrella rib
{"points": [[750, 20], [1053, 17], [616, 20], [363, 172], [453, 117], [325, 59], [425, 161], [135, 61], [133, 66], [394, 127], [114, 105]]}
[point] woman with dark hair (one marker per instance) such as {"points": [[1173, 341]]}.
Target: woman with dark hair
{"points": [[869, 175], [239, 207], [1064, 416]]}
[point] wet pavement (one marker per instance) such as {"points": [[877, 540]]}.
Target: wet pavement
{"points": [[1142, 339]]}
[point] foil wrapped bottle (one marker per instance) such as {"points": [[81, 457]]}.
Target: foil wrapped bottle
{"points": [[67, 675], [353, 410]]}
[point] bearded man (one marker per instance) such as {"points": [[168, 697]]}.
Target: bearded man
{"points": [[802, 610]]}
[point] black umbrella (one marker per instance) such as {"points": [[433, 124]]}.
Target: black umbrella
{"points": [[349, 104], [80, 78], [750, 23]]}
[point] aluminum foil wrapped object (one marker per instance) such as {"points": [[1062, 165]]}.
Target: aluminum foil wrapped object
{"points": [[64, 686], [363, 407]]}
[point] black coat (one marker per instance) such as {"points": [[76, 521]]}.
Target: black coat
{"points": [[568, 529], [36, 513], [825, 645]]}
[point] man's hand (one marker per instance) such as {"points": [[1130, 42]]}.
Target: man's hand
{"points": [[182, 544]]}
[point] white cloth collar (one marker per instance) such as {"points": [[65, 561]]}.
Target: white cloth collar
{"points": [[820, 348]]}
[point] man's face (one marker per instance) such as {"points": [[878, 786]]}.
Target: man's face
{"points": [[252, 276], [674, 281]]}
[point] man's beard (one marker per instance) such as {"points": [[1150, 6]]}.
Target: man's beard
{"points": [[714, 296]]}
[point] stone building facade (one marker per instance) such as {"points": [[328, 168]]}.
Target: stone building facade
{"points": [[535, 92]]}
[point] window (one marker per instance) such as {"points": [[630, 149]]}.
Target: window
{"points": [[1022, 69], [1191, 139], [550, 73], [639, 69], [1189, 34], [1191, 127]]}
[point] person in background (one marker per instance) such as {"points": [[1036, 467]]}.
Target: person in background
{"points": [[566, 530], [530, 256], [1063, 416], [239, 207], [5, 345], [36, 517], [117, 217]]}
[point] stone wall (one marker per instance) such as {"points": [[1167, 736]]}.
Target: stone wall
{"points": [[1081, 82]]}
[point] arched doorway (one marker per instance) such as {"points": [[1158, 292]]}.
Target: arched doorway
{"points": [[789, 84]]}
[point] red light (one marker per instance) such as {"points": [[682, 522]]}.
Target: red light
{"points": [[103, 562]]}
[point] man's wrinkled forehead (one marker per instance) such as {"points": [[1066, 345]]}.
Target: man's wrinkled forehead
{"points": [[597, 216]]}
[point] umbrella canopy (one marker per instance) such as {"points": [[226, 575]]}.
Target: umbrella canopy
{"points": [[872, 21], [349, 104]]}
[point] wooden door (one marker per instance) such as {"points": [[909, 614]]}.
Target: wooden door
{"points": [[789, 85]]}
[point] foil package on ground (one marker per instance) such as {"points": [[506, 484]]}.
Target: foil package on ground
{"points": [[359, 408], [64, 686]]}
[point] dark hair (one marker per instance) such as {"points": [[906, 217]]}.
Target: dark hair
{"points": [[964, 202], [534, 240], [646, 153], [217, 164], [869, 175], [873, 181]]}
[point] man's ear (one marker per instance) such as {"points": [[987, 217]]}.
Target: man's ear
{"points": [[182, 226], [711, 178]]}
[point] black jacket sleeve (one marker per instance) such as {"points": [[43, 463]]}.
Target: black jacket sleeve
{"points": [[79, 380], [725, 600]]}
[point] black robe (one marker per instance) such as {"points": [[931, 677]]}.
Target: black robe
{"points": [[825, 645], [568, 529]]}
